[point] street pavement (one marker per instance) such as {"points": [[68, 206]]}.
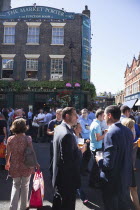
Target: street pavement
{"points": [[42, 151]]}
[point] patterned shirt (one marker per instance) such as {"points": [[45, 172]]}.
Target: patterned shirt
{"points": [[16, 146]]}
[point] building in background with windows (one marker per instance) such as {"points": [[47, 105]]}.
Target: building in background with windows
{"points": [[119, 98], [132, 84], [41, 44]]}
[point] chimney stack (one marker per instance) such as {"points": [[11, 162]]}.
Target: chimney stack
{"points": [[5, 5], [86, 11]]}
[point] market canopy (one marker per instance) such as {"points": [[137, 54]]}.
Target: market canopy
{"points": [[138, 103], [130, 103]]}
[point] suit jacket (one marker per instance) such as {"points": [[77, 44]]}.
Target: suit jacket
{"points": [[116, 165], [66, 160]]}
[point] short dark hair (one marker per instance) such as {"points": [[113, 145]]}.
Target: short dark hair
{"points": [[67, 110], [19, 126], [99, 112], [114, 111], [124, 109]]}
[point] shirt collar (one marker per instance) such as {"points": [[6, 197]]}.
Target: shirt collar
{"points": [[114, 124], [96, 120], [66, 124]]}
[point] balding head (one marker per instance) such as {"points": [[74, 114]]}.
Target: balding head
{"points": [[19, 112]]}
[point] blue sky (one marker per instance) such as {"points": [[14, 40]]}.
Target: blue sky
{"points": [[115, 40]]}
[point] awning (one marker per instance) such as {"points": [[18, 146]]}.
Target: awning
{"points": [[130, 103], [138, 103]]}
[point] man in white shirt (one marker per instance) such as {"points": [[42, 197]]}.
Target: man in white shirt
{"points": [[40, 119]]}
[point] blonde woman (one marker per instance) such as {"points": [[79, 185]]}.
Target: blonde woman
{"points": [[133, 189], [20, 173]]}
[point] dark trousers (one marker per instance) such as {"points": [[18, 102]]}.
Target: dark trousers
{"points": [[34, 132], [85, 159], [30, 123], [94, 177], [64, 199], [81, 194], [114, 200], [41, 130]]}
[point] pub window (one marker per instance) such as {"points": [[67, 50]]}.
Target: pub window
{"points": [[33, 34], [31, 68], [7, 68], [56, 69], [9, 34], [57, 35]]}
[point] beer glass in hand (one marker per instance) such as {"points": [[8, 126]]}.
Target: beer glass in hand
{"points": [[80, 142]]}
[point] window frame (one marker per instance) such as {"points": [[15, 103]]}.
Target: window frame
{"points": [[52, 69], [36, 36], [9, 35], [28, 69], [7, 69], [57, 37]]}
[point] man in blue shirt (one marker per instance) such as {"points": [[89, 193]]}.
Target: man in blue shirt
{"points": [[91, 114], [30, 117], [85, 123], [96, 138]]}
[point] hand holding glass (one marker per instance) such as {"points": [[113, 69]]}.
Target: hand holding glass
{"points": [[80, 142], [138, 142], [99, 154]]}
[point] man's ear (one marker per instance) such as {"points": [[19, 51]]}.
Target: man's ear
{"points": [[67, 116], [109, 115]]}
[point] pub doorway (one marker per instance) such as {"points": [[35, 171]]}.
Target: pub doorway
{"points": [[40, 102]]}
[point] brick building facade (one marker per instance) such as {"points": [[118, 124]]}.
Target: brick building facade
{"points": [[44, 44], [132, 83]]}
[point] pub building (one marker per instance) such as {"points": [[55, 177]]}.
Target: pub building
{"points": [[45, 56]]}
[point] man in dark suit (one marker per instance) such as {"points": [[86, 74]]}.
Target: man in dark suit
{"points": [[116, 163], [66, 162]]}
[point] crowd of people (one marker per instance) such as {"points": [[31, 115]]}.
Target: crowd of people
{"points": [[109, 137]]}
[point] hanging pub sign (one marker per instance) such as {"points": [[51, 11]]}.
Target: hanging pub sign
{"points": [[34, 12]]}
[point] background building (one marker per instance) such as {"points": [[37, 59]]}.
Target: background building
{"points": [[41, 50], [103, 100], [132, 84], [119, 98]]}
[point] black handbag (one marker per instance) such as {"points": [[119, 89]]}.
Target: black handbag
{"points": [[29, 156]]}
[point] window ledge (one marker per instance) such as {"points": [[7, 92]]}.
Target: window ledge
{"points": [[57, 44], [30, 79], [56, 80], [7, 69], [32, 44], [31, 70], [6, 79], [8, 43]]}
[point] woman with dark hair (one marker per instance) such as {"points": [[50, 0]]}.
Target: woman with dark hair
{"points": [[20, 173]]}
